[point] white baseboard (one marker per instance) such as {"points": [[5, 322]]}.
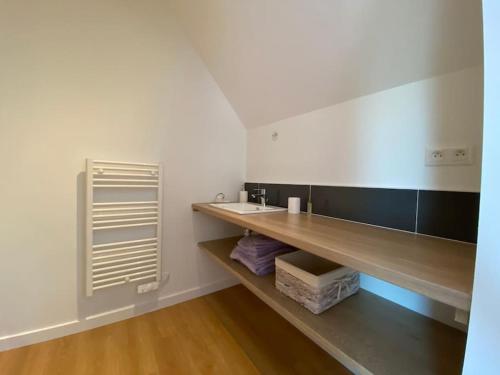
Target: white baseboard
{"points": [[74, 326]]}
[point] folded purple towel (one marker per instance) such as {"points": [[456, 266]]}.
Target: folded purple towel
{"points": [[257, 253], [258, 268], [260, 243]]}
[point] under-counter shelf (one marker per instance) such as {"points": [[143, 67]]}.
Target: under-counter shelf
{"points": [[437, 268], [366, 333]]}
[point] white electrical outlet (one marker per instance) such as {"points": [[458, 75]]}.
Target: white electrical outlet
{"points": [[448, 156], [148, 287], [434, 157], [461, 156]]}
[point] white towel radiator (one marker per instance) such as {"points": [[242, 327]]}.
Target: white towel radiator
{"points": [[123, 235]]}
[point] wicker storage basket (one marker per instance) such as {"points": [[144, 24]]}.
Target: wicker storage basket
{"points": [[314, 282]]}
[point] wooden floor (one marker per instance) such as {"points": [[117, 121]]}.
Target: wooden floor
{"points": [[228, 332]]}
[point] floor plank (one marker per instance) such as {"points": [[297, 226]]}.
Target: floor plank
{"points": [[271, 342], [228, 332]]}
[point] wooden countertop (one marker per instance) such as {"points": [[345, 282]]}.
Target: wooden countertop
{"points": [[437, 268]]}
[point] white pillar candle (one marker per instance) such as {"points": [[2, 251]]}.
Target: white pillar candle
{"points": [[243, 196], [293, 205]]}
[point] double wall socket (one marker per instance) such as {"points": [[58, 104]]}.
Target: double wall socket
{"points": [[448, 156]]}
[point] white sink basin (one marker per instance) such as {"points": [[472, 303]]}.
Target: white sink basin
{"points": [[247, 208]]}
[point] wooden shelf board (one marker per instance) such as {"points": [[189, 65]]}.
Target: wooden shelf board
{"points": [[366, 333], [437, 268]]}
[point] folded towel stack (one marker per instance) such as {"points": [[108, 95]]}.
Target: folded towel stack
{"points": [[257, 253]]}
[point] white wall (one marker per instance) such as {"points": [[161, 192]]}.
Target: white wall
{"points": [[108, 80], [481, 356], [379, 141]]}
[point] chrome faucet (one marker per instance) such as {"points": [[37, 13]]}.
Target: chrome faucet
{"points": [[262, 194]]}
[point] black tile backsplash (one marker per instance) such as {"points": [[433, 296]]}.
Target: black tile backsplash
{"points": [[393, 208], [448, 214], [452, 215], [277, 194]]}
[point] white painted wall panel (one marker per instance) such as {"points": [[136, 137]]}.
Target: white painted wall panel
{"points": [[378, 140], [108, 80], [483, 342]]}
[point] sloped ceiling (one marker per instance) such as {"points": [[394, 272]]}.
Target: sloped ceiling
{"points": [[274, 59]]}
